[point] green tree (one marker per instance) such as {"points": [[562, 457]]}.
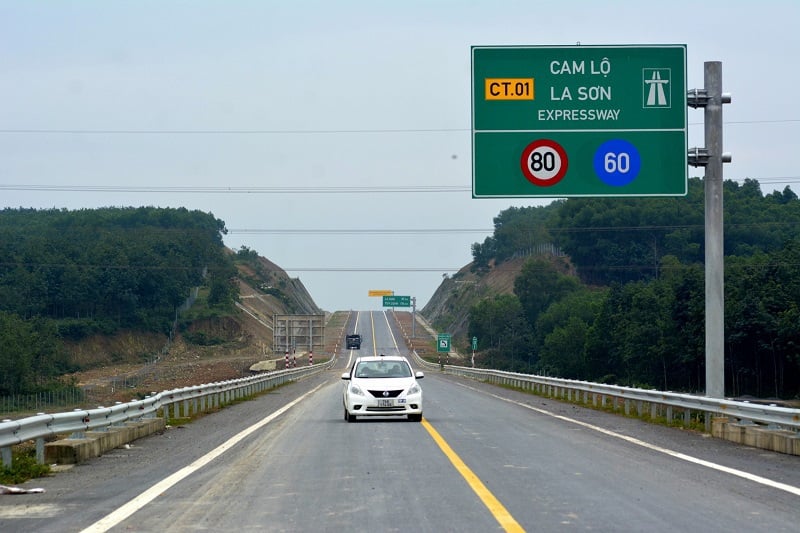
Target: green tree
{"points": [[539, 284], [561, 333], [499, 323], [30, 356]]}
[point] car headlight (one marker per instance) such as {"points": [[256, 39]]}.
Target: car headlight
{"points": [[355, 389], [414, 389]]}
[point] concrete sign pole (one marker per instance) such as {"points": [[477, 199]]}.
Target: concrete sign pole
{"points": [[714, 253], [413, 317], [712, 157]]}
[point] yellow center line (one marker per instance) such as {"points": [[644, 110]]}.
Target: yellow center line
{"points": [[497, 509]]}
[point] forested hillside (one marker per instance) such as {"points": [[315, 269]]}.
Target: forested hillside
{"points": [[70, 274], [614, 291]]}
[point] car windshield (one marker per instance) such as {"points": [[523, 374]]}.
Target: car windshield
{"points": [[382, 369]]}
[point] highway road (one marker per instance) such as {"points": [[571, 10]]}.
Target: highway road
{"points": [[483, 459]]}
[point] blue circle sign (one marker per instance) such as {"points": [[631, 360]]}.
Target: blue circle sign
{"points": [[617, 162]]}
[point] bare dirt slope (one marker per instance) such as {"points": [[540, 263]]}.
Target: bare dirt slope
{"points": [[449, 306], [132, 364]]}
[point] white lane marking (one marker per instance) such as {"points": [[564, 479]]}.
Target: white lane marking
{"points": [[678, 455], [116, 517], [389, 327]]}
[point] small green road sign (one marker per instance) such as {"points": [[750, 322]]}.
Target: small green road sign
{"points": [[443, 342], [397, 301], [562, 121], [474, 343]]}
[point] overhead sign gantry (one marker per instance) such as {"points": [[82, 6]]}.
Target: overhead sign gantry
{"points": [[568, 121]]}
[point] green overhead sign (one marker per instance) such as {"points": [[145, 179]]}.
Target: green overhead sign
{"points": [[397, 301], [579, 121]]}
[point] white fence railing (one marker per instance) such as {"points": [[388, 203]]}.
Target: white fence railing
{"points": [[180, 402], [188, 400], [641, 402]]}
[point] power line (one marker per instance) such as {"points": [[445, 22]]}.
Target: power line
{"points": [[198, 268], [359, 131], [439, 269], [239, 190], [286, 190], [227, 132], [357, 231], [424, 231]]}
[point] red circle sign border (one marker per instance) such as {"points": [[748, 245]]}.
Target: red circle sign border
{"points": [[526, 153]]}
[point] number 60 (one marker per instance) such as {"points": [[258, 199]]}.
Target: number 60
{"points": [[620, 162]]}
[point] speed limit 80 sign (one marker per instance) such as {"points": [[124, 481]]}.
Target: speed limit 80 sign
{"points": [[544, 162]]}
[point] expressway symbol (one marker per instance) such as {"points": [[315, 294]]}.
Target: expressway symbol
{"points": [[655, 81]]}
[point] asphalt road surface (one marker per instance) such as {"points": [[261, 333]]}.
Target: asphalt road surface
{"points": [[483, 459]]}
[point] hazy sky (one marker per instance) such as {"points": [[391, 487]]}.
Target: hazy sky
{"points": [[320, 130]]}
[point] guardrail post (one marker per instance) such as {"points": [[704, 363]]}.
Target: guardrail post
{"points": [[154, 413], [5, 456], [77, 434], [40, 451], [669, 414]]}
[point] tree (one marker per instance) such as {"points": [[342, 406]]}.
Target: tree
{"points": [[562, 331], [504, 333], [30, 356], [539, 284]]}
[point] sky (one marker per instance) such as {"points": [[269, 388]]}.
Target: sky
{"points": [[334, 137]]}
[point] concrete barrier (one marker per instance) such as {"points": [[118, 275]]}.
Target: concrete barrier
{"points": [[776, 440], [95, 443]]}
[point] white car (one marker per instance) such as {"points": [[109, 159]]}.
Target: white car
{"points": [[382, 386]]}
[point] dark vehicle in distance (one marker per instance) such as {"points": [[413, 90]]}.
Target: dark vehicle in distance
{"points": [[353, 341]]}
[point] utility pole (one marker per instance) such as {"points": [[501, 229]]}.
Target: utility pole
{"points": [[711, 157], [413, 317]]}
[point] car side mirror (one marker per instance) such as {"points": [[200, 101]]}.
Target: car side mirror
{"points": [[346, 376], [420, 375]]}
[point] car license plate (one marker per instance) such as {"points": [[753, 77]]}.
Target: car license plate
{"points": [[385, 403]]}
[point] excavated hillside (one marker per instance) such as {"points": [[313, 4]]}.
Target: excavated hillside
{"points": [[273, 286], [448, 308], [133, 363]]}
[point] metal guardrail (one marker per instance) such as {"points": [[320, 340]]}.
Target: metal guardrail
{"points": [[641, 401], [184, 401], [188, 400]]}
